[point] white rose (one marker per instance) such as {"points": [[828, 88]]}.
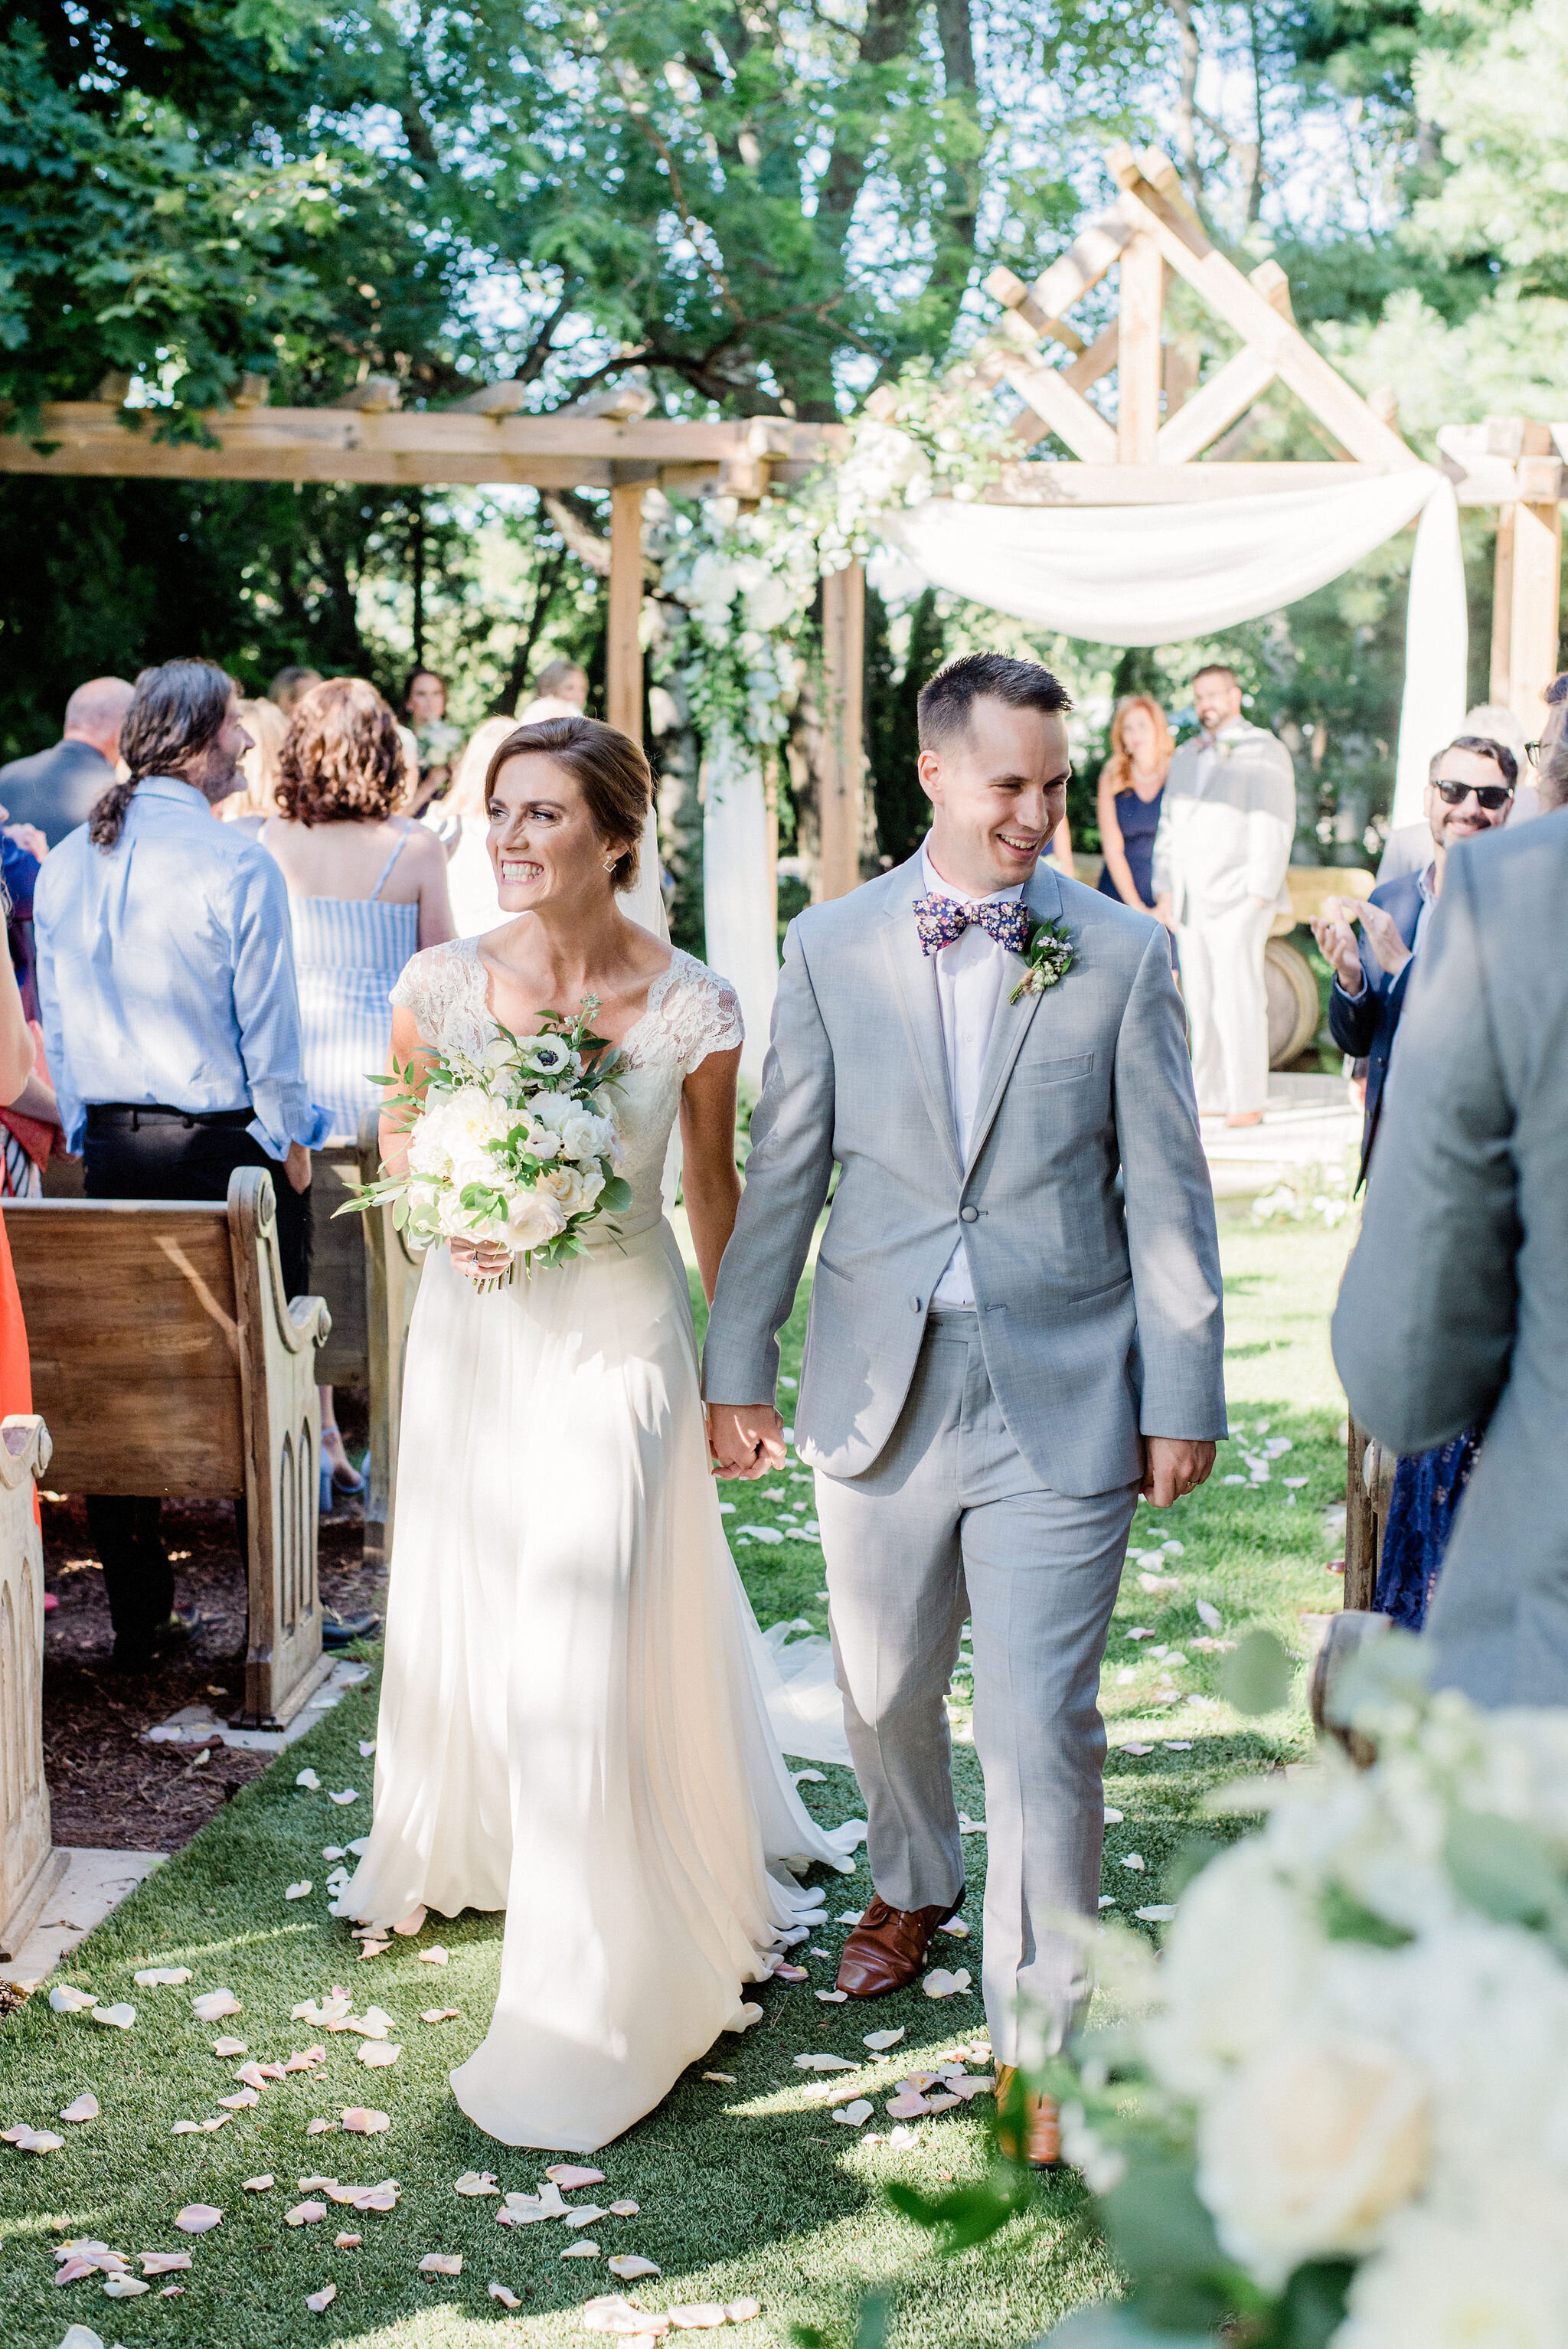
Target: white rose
{"points": [[769, 605], [1310, 2147], [565, 1185], [551, 1110], [533, 1220], [1241, 1962], [583, 1135], [1464, 2279], [541, 1143]]}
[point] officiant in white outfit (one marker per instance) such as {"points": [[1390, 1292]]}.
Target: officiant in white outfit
{"points": [[1015, 1328], [1226, 825]]}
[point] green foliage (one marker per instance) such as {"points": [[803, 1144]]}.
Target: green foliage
{"points": [[1257, 1678]]}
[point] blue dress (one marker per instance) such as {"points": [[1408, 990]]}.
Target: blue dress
{"points": [[1139, 821], [1426, 1489], [349, 952]]}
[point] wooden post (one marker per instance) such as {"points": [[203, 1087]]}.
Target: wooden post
{"points": [[1137, 362], [1533, 642], [843, 658], [623, 651], [1503, 611]]}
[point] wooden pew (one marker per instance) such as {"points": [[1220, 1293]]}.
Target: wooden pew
{"points": [[167, 1358], [30, 1867], [369, 1276]]}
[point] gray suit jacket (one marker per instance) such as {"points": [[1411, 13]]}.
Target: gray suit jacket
{"points": [[1099, 1298], [56, 790], [1454, 1309]]}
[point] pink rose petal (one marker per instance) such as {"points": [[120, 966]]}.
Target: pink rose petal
{"points": [[198, 2218], [568, 2175]]}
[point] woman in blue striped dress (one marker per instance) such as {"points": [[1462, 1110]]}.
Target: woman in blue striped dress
{"points": [[367, 888]]}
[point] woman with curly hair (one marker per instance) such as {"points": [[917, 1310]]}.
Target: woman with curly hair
{"points": [[368, 889]]}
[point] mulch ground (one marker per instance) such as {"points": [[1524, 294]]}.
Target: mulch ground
{"points": [[107, 1789]]}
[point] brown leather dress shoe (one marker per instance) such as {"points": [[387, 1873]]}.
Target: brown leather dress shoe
{"points": [[888, 1947], [1042, 2124]]}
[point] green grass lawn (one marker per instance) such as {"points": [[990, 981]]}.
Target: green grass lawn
{"points": [[746, 2189]]}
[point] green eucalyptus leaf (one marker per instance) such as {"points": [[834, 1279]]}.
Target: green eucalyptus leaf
{"points": [[1505, 1870]]}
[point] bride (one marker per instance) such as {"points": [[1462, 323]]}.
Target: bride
{"points": [[575, 1720]]}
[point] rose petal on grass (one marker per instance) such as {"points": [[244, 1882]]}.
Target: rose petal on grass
{"points": [[630, 2265], [908, 2107], [229, 2047], [699, 2315], [84, 2107], [581, 2251], [967, 1825], [507, 2297], [121, 2016], [782, 1972], [30, 2140], [568, 2175], [162, 1977], [332, 1851], [261, 2185], [157, 2263], [309, 1780], [379, 2053], [438, 2014], [853, 2114], [241, 2101], [1131, 1747], [304, 2214], [1158, 1912], [1133, 1859], [956, 1926], [441, 2263], [342, 2242], [214, 2006], [369, 1950], [319, 2128], [833, 1997], [124, 2287], [476, 2182], [66, 1999], [612, 2313], [186, 2129], [723, 2079], [741, 2312], [1113, 1818], [825, 2063], [367, 1748], [625, 2210], [319, 2301], [878, 2041], [198, 2218], [939, 1983], [360, 2122], [299, 1891], [345, 1796], [218, 2120], [74, 2270], [434, 1956]]}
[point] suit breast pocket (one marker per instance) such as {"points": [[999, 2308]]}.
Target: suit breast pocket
{"points": [[1033, 1075]]}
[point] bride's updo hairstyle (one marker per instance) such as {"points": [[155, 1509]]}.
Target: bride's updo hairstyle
{"points": [[613, 777]]}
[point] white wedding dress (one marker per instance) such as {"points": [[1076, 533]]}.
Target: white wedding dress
{"points": [[575, 1711]]}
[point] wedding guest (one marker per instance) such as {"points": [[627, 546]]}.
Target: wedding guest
{"points": [[1470, 790], [1131, 788], [1454, 1307], [289, 684], [367, 889], [56, 790], [172, 1025], [1226, 825], [1549, 755], [17, 1073], [470, 876], [265, 724], [437, 741], [559, 691], [1409, 847]]}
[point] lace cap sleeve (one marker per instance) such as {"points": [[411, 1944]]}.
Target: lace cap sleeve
{"points": [[438, 987], [702, 1013]]}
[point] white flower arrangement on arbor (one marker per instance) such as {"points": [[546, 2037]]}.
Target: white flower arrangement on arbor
{"points": [[1343, 2123]]}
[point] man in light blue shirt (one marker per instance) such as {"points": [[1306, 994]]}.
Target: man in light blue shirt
{"points": [[172, 1025]]}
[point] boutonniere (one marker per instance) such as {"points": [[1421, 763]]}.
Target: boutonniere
{"points": [[1049, 952]]}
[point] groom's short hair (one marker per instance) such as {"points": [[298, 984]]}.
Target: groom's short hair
{"points": [[946, 701]]}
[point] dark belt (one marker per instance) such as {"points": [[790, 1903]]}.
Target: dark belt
{"points": [[126, 1117]]}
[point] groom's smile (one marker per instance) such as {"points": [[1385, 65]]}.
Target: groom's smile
{"points": [[997, 787]]}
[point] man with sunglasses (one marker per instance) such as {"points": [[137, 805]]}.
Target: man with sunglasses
{"points": [[1470, 790]]}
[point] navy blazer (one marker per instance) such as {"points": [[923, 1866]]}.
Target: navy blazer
{"points": [[1364, 1025]]}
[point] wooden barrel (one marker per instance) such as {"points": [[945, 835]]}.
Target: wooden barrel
{"points": [[1294, 1009]]}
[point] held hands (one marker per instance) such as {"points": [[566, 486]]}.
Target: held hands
{"points": [[479, 1260], [746, 1439], [1172, 1466]]}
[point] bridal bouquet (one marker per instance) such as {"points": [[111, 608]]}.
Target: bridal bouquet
{"points": [[1342, 2120], [518, 1148]]}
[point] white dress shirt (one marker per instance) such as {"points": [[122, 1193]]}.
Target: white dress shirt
{"points": [[969, 979]]}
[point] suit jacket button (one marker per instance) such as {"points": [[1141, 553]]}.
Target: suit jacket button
{"points": [[914, 1304], [968, 1214]]}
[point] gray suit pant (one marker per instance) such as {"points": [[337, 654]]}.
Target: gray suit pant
{"points": [[950, 1521]]}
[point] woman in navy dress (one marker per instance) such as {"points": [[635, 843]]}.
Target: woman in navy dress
{"points": [[1131, 790]]}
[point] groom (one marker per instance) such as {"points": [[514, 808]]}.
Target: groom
{"points": [[1015, 1326]]}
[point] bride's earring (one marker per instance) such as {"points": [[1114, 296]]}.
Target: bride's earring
{"points": [[611, 863]]}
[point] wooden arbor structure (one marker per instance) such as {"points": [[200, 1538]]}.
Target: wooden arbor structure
{"points": [[1159, 448]]}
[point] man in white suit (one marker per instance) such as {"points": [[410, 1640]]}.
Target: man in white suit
{"points": [[1015, 1327], [1227, 823]]}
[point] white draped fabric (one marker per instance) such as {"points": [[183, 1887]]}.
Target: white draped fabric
{"points": [[1155, 574], [737, 897]]}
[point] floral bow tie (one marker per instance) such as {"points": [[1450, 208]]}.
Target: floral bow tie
{"points": [[941, 920]]}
